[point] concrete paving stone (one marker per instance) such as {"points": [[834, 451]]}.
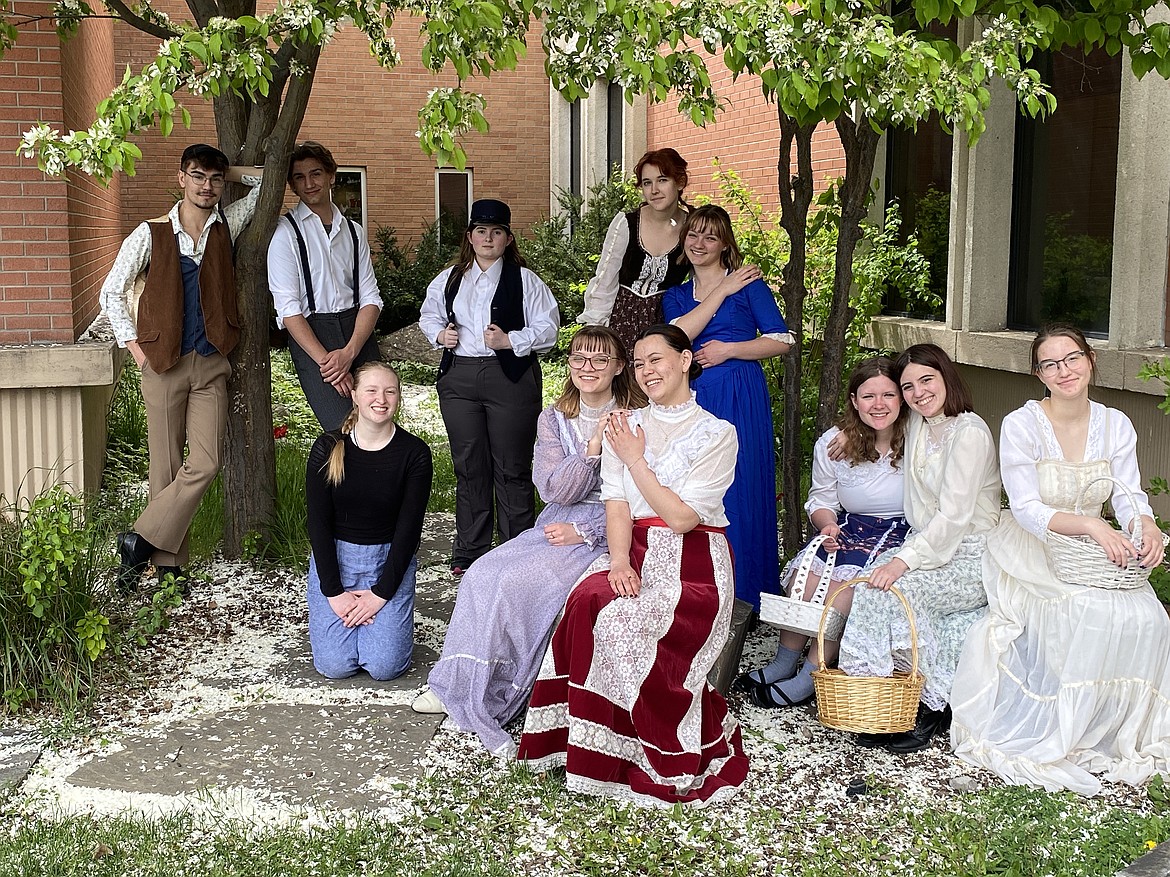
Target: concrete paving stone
{"points": [[341, 756], [19, 751], [298, 671]]}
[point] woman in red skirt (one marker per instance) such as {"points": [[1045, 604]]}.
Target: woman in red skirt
{"points": [[622, 700]]}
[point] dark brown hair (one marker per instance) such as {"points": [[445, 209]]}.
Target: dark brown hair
{"points": [[207, 157], [599, 339], [713, 218], [1063, 330], [312, 149], [862, 437], [932, 356], [669, 162], [678, 340]]}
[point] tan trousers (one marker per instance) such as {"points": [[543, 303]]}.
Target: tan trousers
{"points": [[185, 406]]}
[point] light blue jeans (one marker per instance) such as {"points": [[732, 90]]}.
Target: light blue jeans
{"points": [[383, 647]]}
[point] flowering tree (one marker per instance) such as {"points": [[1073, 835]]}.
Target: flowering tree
{"points": [[257, 70], [851, 63]]}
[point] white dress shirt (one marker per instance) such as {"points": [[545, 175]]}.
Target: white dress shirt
{"points": [[134, 256], [473, 311], [330, 265]]}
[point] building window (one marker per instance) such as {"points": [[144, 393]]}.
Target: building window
{"points": [[1063, 195], [575, 147], [452, 198], [614, 131], [918, 178], [349, 193]]}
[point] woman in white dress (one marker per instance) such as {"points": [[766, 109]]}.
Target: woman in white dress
{"points": [[622, 701], [856, 503], [1062, 683], [951, 496]]}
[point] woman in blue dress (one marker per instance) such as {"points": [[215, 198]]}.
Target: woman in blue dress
{"points": [[732, 318]]}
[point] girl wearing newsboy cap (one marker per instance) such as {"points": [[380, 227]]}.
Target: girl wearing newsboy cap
{"points": [[491, 317]]}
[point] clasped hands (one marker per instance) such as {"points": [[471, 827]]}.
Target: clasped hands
{"points": [[356, 608], [335, 365]]}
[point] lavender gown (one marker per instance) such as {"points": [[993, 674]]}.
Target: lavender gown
{"points": [[510, 598]]}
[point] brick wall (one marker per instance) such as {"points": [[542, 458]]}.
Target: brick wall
{"points": [[88, 76], [744, 137], [368, 117], [35, 299]]}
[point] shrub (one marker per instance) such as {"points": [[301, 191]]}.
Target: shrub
{"points": [[54, 623], [404, 273]]}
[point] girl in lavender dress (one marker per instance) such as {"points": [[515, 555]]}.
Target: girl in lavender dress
{"points": [[509, 598]]}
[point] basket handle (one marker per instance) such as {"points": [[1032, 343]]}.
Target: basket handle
{"points": [[800, 578], [1136, 536], [897, 592]]}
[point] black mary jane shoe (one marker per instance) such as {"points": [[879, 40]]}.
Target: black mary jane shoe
{"points": [[929, 723], [133, 554], [772, 697], [875, 741], [748, 682]]}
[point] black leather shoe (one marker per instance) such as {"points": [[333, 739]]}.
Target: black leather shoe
{"points": [[746, 682], [134, 553], [875, 741], [180, 578], [930, 722]]}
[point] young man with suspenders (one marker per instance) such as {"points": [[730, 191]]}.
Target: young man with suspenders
{"points": [[323, 285]]}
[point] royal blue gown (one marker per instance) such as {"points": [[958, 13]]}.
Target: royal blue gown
{"points": [[737, 391]]}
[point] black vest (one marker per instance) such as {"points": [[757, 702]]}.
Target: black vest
{"points": [[635, 256], [507, 312]]}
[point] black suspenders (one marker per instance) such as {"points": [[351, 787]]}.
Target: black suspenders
{"points": [[307, 273]]}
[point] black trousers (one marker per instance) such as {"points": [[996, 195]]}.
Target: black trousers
{"points": [[491, 424], [333, 331]]}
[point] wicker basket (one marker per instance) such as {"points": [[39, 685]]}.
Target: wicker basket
{"points": [[1078, 560], [869, 704], [797, 614]]}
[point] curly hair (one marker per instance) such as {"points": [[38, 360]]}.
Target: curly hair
{"points": [[862, 439]]}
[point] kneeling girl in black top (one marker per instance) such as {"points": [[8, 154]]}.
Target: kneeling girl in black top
{"points": [[367, 488]]}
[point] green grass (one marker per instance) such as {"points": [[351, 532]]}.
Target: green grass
{"points": [[451, 824]]}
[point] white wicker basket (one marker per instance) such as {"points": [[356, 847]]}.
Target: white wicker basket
{"points": [[1078, 560], [800, 615]]}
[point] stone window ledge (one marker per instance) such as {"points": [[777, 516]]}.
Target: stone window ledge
{"points": [[1011, 351]]}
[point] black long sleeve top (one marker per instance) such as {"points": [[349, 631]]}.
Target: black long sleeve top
{"points": [[383, 498]]}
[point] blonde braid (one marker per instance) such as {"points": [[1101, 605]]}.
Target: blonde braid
{"points": [[335, 465]]}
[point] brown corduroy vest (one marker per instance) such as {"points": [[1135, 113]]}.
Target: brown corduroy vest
{"points": [[160, 310]]}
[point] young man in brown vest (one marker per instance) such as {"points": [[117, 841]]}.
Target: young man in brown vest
{"points": [[180, 329]]}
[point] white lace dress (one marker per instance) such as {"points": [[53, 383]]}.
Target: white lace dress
{"points": [[952, 493], [1062, 684], [622, 700]]}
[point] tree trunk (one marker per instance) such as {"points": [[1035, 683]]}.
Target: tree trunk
{"points": [[249, 457], [796, 193], [860, 141]]}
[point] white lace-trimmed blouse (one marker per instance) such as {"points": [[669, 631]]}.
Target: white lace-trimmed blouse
{"points": [[952, 486], [864, 488], [691, 451], [1027, 437]]}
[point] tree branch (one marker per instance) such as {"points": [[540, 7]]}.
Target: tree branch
{"points": [[138, 22]]}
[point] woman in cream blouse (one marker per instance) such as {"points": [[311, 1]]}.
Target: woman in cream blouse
{"points": [[952, 499]]}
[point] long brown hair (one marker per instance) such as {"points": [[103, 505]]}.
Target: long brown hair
{"points": [[334, 467], [599, 339], [932, 356], [862, 444]]}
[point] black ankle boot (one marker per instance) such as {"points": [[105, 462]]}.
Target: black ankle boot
{"points": [[929, 723], [133, 554]]}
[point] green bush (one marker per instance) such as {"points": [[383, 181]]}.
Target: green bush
{"points": [[55, 623], [404, 273]]}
